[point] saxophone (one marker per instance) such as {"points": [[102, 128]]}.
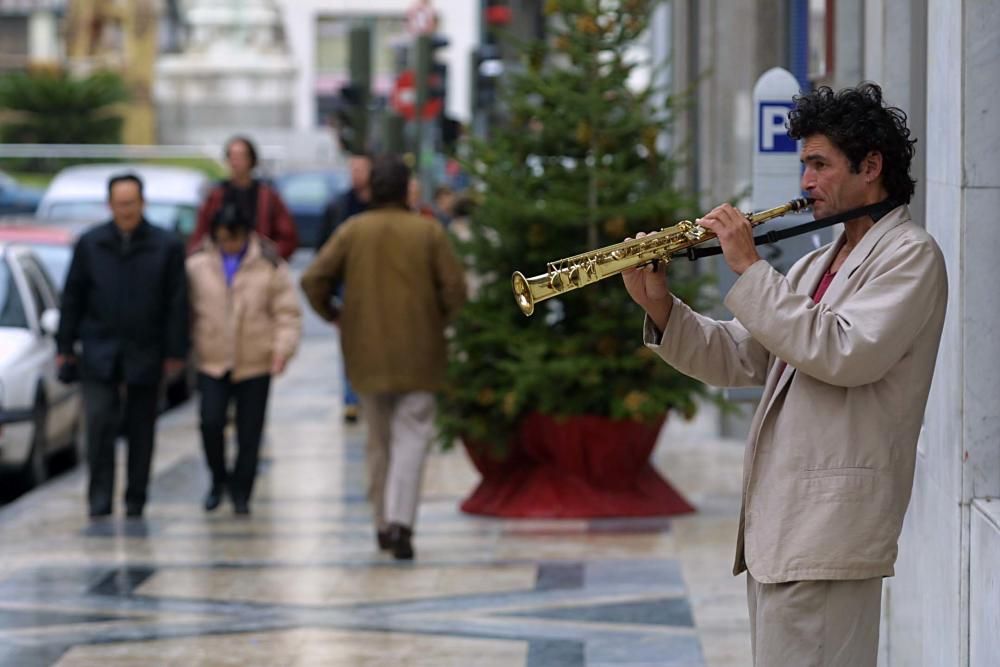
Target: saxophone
{"points": [[571, 273]]}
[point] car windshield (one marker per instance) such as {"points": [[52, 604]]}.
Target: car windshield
{"points": [[55, 259], [178, 217], [306, 190], [11, 308]]}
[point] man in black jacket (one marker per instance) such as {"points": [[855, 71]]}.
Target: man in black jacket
{"points": [[125, 301]]}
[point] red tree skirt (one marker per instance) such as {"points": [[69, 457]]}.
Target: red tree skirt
{"points": [[577, 467]]}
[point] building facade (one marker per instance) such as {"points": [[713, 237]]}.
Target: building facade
{"points": [[317, 31], [29, 33]]}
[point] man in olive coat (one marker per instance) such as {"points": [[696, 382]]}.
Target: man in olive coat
{"points": [[404, 283], [125, 301]]}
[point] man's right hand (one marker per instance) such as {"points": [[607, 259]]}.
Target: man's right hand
{"points": [[63, 359], [647, 285]]}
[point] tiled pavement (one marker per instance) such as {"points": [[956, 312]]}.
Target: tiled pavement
{"points": [[300, 582]]}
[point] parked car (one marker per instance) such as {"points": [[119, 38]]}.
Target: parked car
{"points": [[16, 198], [307, 193], [172, 194], [52, 242], [39, 415]]}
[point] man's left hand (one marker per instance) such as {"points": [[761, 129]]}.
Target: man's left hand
{"points": [[172, 367], [278, 365], [735, 236]]}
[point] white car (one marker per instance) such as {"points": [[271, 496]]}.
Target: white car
{"points": [[39, 415], [173, 194]]}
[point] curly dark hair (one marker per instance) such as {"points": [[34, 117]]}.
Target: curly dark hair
{"points": [[857, 121]]}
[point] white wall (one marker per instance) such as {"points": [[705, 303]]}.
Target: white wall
{"points": [[458, 21], [939, 604]]}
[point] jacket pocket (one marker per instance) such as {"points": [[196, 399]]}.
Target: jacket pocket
{"points": [[838, 484]]}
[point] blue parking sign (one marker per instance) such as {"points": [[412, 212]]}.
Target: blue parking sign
{"points": [[772, 134]]}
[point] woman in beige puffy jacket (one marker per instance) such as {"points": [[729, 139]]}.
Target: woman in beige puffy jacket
{"points": [[246, 325]]}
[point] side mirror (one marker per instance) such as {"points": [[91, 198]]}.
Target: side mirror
{"points": [[50, 321]]}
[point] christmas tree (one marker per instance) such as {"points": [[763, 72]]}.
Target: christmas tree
{"points": [[575, 165]]}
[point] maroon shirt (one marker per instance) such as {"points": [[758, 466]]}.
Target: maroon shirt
{"points": [[824, 283]]}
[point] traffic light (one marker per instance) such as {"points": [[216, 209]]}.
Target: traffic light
{"points": [[351, 118], [352, 106], [431, 74], [487, 66]]}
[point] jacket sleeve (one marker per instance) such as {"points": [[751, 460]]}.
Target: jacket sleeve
{"points": [[722, 354], [207, 211], [178, 333], [448, 274], [860, 341], [285, 235], [286, 313], [332, 216], [73, 302], [321, 279]]}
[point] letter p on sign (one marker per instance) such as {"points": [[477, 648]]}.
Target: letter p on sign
{"points": [[771, 130]]}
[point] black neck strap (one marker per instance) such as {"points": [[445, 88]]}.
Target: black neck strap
{"points": [[874, 211]]}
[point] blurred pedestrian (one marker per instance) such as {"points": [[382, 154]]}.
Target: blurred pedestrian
{"points": [[443, 204], [257, 200], [406, 285], [125, 301], [348, 204], [246, 323], [415, 198]]}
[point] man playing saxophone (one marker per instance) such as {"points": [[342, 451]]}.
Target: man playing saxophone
{"points": [[845, 347]]}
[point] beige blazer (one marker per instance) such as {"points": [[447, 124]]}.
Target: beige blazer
{"points": [[831, 450], [241, 329]]}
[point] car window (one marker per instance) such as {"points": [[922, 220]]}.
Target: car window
{"points": [[11, 309], [56, 260], [94, 211], [40, 279], [172, 216], [166, 215], [35, 293], [187, 220], [306, 189]]}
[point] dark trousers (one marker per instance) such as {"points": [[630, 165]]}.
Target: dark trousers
{"points": [[109, 406], [251, 404]]}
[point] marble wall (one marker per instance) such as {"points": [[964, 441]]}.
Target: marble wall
{"points": [[938, 605]]}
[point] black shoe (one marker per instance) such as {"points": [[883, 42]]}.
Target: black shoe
{"points": [[384, 539], [241, 507], [213, 499], [133, 511], [401, 538]]}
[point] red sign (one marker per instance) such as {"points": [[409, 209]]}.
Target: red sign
{"points": [[404, 98]]}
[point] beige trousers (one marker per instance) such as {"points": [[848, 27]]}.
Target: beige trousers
{"points": [[815, 623], [400, 429]]}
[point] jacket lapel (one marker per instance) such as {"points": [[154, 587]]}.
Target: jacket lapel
{"points": [[863, 251], [814, 273], [807, 285]]}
